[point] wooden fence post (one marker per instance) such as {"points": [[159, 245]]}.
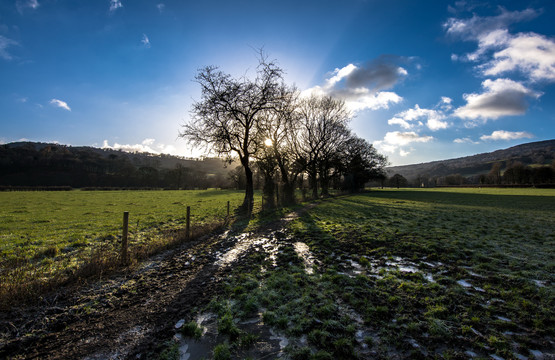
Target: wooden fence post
{"points": [[188, 224], [124, 252]]}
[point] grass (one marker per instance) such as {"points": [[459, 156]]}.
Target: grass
{"points": [[413, 273], [48, 237]]}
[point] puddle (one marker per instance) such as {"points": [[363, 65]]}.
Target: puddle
{"points": [[536, 354], [303, 251], [464, 283], [283, 341], [376, 267], [270, 344], [124, 344], [246, 241], [242, 244], [471, 354], [408, 269], [502, 318], [539, 283]]}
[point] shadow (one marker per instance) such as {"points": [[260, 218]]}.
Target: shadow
{"points": [[213, 192], [502, 201]]}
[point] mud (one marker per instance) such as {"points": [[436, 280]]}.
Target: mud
{"points": [[128, 315]]}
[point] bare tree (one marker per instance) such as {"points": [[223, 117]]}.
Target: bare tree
{"points": [[322, 129], [279, 128], [226, 118]]}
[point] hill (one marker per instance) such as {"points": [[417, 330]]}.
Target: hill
{"points": [[42, 164], [471, 167]]}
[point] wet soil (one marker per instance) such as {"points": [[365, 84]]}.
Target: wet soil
{"points": [[125, 316]]}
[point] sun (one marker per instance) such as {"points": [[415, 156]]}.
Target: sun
{"points": [[268, 142]]}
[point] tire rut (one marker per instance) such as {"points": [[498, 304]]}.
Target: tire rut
{"points": [[124, 316], [113, 319]]}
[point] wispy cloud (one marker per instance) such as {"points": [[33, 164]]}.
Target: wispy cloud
{"points": [[160, 7], [22, 5], [394, 140], [465, 140], [507, 135], [5, 43], [362, 86], [60, 104], [477, 26], [500, 52], [146, 41], [115, 4], [501, 97]]}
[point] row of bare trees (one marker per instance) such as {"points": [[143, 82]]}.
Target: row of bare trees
{"points": [[267, 124]]}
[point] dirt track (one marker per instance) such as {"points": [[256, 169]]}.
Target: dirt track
{"points": [[120, 317]]}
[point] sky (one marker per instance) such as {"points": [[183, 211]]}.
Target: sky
{"points": [[425, 80]]}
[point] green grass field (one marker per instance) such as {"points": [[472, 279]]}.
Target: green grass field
{"points": [[411, 273], [45, 234]]}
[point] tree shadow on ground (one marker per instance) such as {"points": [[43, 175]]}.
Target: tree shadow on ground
{"points": [[508, 202]]}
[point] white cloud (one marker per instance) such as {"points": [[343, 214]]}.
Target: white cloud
{"points": [[395, 139], [529, 53], [411, 118], [465, 140], [401, 122], [148, 142], [145, 40], [339, 74], [501, 97], [146, 146], [405, 138], [60, 104], [404, 153], [379, 100], [507, 135], [4, 44], [115, 4], [361, 86]]}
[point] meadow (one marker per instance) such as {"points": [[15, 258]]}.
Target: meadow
{"points": [[447, 273], [47, 237], [408, 273]]}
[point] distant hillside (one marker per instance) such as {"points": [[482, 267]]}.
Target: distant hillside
{"points": [[534, 153], [42, 164]]}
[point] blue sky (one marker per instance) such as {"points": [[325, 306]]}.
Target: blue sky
{"points": [[426, 80]]}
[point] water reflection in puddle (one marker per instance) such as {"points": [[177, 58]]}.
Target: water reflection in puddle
{"points": [[303, 251], [376, 267]]}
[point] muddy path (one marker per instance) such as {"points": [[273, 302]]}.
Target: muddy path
{"points": [[128, 314]]}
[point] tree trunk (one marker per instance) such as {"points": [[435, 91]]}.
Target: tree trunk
{"points": [[288, 190], [269, 192], [313, 181], [249, 189]]}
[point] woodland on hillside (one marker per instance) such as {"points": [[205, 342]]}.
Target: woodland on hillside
{"points": [[53, 165]]}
